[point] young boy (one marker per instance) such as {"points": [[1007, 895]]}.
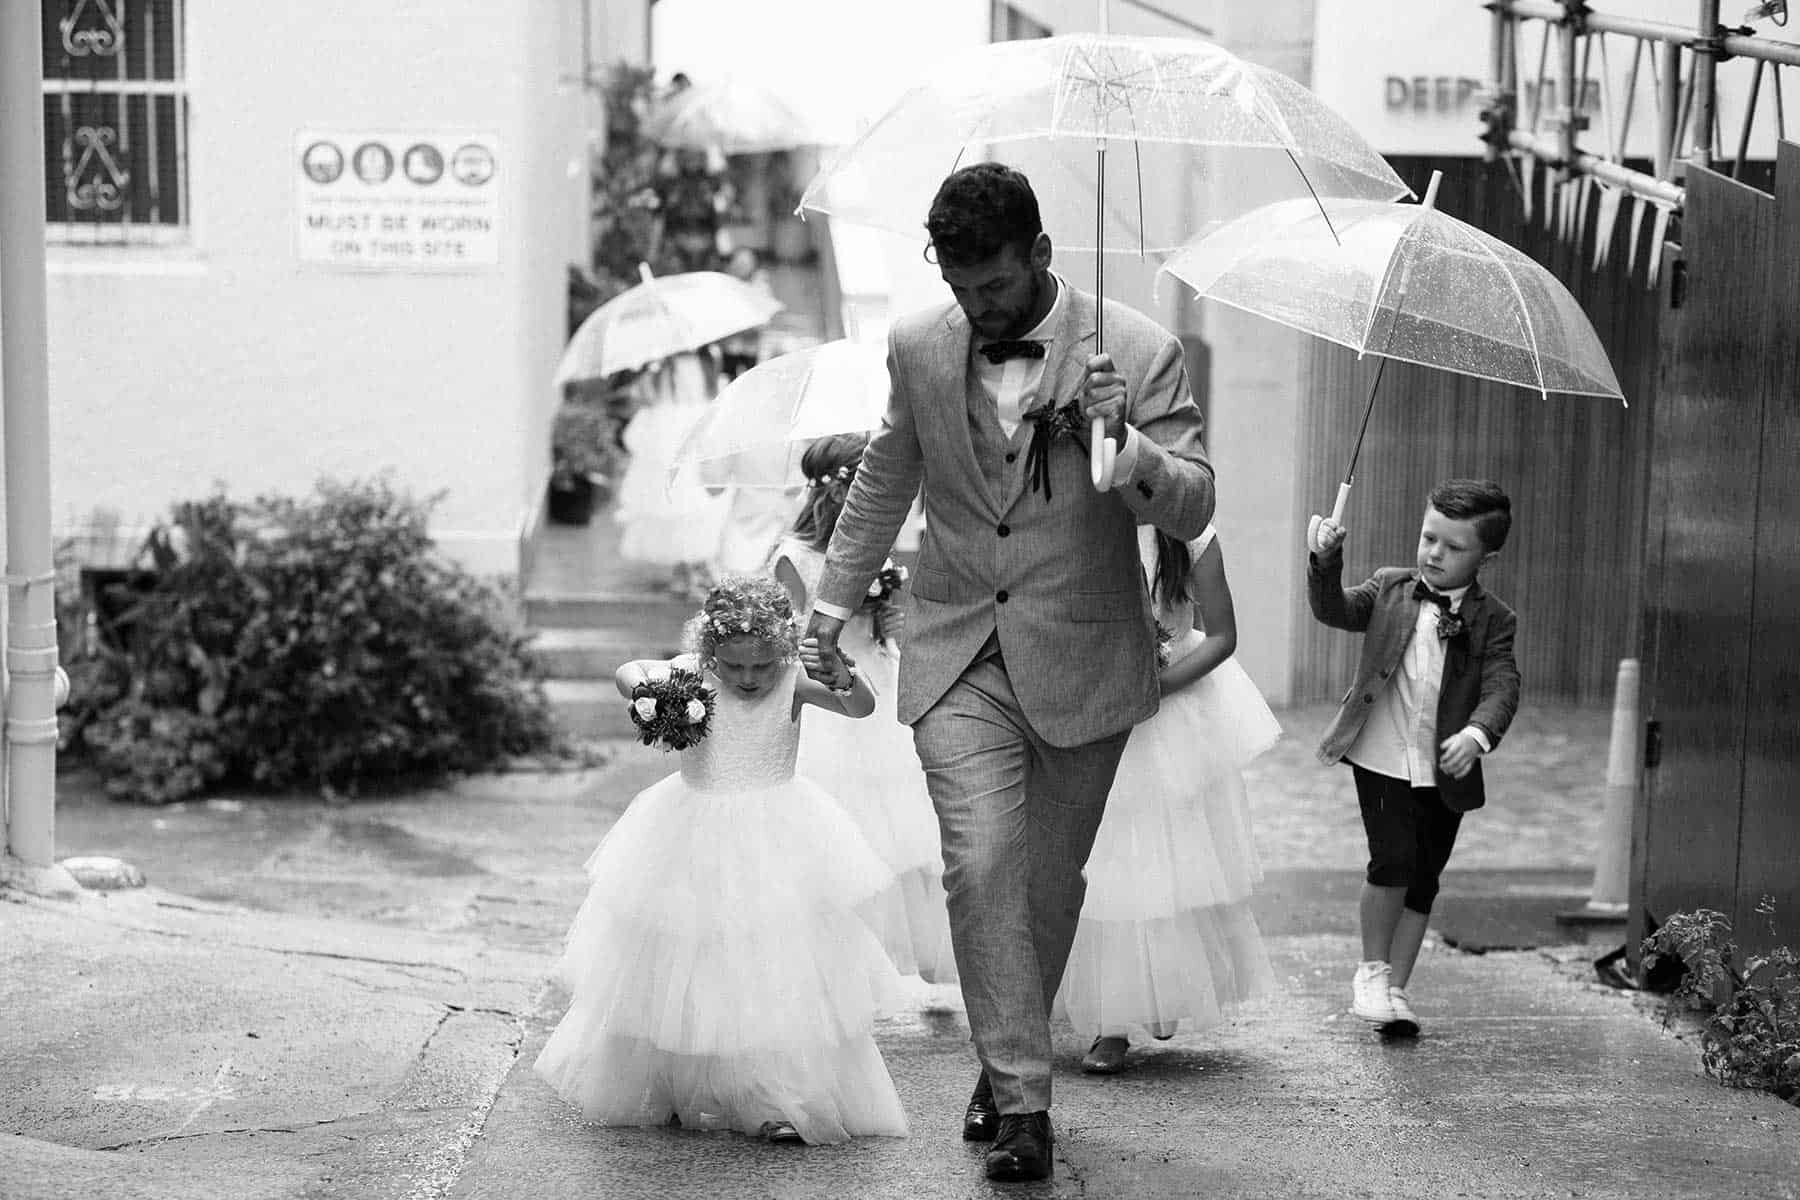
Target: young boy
{"points": [[1436, 689]]}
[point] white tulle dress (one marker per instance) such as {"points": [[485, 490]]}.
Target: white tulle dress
{"points": [[870, 766], [664, 519], [719, 970], [1166, 937]]}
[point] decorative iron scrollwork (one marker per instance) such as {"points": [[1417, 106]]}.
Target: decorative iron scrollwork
{"points": [[99, 32], [96, 183]]}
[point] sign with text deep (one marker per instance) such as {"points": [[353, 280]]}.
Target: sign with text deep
{"points": [[397, 201], [1412, 76]]}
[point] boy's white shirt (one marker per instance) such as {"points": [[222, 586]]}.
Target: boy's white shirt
{"points": [[1399, 738]]}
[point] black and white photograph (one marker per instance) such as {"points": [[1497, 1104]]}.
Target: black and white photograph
{"points": [[900, 599]]}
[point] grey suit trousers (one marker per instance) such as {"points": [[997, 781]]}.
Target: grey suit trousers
{"points": [[1017, 817]]}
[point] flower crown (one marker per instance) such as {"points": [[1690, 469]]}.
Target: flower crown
{"points": [[841, 475], [746, 608]]}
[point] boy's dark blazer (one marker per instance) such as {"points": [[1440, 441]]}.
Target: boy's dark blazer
{"points": [[1481, 680]]}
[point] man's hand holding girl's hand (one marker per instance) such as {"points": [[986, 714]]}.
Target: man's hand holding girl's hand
{"points": [[827, 664]]}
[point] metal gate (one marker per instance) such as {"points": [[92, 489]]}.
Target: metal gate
{"points": [[1718, 822]]}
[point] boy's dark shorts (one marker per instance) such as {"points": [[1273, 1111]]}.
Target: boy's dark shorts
{"points": [[1411, 833]]}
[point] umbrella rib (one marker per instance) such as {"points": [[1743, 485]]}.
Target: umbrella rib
{"points": [[1387, 273], [1524, 319]]}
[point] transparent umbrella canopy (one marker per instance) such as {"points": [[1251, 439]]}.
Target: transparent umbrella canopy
{"points": [[661, 316], [1407, 282], [761, 423], [1196, 133], [736, 117]]}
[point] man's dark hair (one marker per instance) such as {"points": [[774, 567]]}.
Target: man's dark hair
{"points": [[1479, 500], [981, 209]]}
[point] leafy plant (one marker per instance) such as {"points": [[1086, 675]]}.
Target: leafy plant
{"points": [[581, 445], [310, 643], [1750, 1036]]}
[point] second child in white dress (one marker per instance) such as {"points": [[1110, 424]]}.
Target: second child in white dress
{"points": [[1166, 937], [721, 974], [870, 767]]}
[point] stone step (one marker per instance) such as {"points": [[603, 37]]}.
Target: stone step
{"points": [[587, 709], [596, 653], [634, 613]]}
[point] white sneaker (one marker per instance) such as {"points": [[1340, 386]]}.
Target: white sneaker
{"points": [[1403, 1024], [1369, 993]]}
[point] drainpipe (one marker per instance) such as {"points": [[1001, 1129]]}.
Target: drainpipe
{"points": [[28, 805]]}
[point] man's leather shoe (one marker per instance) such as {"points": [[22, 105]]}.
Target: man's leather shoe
{"points": [[1022, 1150], [981, 1120]]}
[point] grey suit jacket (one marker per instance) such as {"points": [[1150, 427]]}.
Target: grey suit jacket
{"points": [[1481, 679], [1058, 581]]}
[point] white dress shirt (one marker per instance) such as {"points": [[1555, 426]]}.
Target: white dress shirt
{"points": [[1399, 739]]}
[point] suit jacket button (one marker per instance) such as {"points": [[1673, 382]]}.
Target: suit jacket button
{"points": [[1004, 529], [1000, 596], [1368, 699], [1012, 455], [1144, 488]]}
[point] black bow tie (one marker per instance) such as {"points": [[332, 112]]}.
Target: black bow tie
{"points": [[1422, 592], [999, 352]]}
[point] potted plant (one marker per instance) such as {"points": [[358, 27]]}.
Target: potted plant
{"points": [[581, 461]]}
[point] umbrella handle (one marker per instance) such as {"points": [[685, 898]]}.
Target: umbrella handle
{"points": [[1102, 453], [1337, 515]]}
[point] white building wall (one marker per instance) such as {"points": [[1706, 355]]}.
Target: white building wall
{"points": [[227, 360]]}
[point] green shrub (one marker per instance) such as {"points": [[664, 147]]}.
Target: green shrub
{"points": [[315, 643], [1750, 1033]]}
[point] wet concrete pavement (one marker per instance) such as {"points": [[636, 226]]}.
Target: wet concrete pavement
{"points": [[319, 999]]}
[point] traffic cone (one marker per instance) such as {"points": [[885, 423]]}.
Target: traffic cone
{"points": [[1624, 766]]}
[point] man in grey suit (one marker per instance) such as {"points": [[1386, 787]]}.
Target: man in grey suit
{"points": [[1030, 649]]}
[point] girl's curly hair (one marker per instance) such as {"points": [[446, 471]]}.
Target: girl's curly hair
{"points": [[745, 607]]}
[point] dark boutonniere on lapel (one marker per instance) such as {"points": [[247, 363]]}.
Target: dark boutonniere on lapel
{"points": [[1048, 424], [1450, 625]]}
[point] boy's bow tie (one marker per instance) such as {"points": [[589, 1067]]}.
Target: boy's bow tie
{"points": [[1423, 592], [999, 352]]}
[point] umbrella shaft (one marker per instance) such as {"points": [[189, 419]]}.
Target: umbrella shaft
{"points": [[1368, 411]]}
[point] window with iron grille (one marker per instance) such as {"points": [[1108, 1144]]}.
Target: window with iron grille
{"points": [[115, 121]]}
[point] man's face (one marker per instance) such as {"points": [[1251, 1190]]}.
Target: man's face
{"points": [[999, 295]]}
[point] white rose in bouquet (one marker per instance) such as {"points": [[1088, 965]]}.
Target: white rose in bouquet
{"points": [[646, 707]]}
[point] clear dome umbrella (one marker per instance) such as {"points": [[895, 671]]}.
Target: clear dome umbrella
{"points": [[761, 423], [1402, 281], [660, 316], [1203, 136]]}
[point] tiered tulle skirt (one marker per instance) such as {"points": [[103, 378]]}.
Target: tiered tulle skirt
{"points": [[720, 972], [870, 767], [1166, 937]]}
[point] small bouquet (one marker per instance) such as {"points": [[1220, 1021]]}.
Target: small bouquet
{"points": [[882, 602], [1047, 426], [1165, 639], [674, 712]]}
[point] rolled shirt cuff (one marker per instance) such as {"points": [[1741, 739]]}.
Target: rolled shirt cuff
{"points": [[1481, 739], [1126, 461]]}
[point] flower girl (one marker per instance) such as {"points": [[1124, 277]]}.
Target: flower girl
{"points": [[871, 767], [1166, 935], [720, 975]]}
